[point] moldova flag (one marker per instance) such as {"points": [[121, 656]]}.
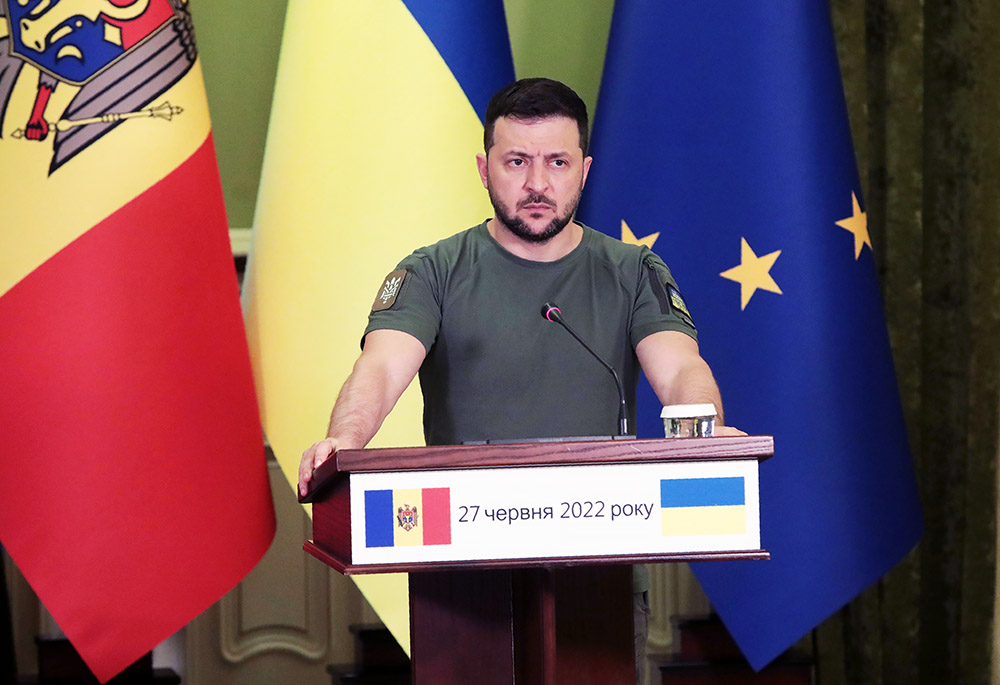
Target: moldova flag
{"points": [[133, 485], [397, 518], [721, 141]]}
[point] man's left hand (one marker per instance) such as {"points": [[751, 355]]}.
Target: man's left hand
{"points": [[727, 432]]}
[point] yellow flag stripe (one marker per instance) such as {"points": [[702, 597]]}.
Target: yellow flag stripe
{"points": [[42, 213], [724, 520], [403, 501]]}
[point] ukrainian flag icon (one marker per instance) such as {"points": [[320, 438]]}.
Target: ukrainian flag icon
{"points": [[703, 506]]}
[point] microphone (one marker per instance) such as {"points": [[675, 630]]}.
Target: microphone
{"points": [[550, 312]]}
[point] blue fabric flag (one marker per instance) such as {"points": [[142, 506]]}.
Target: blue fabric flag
{"points": [[724, 130], [472, 39]]}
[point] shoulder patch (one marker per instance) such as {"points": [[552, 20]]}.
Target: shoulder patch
{"points": [[677, 302], [389, 290], [665, 290]]}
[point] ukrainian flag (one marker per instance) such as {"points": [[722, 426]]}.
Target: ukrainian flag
{"points": [[376, 121], [703, 506]]}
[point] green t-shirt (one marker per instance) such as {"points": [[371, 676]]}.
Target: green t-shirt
{"points": [[495, 368]]}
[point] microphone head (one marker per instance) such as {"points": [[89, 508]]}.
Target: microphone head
{"points": [[551, 312]]}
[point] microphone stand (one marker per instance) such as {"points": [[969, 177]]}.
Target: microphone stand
{"points": [[554, 314]]}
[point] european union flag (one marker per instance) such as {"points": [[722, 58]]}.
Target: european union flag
{"points": [[721, 139]]}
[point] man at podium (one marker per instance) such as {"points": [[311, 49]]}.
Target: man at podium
{"points": [[464, 313]]}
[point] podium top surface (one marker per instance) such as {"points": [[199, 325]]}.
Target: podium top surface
{"points": [[543, 453]]}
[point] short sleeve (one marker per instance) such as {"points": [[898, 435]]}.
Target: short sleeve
{"points": [[659, 305], [406, 301]]}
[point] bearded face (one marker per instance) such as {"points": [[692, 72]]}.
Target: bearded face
{"points": [[535, 172]]}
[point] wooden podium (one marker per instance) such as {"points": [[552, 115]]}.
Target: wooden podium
{"points": [[521, 554]]}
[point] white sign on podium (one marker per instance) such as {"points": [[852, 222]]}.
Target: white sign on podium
{"points": [[554, 511]]}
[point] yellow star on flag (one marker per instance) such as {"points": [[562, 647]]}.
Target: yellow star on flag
{"points": [[752, 273], [628, 237], [857, 224]]}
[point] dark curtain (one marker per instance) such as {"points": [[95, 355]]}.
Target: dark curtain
{"points": [[923, 89], [8, 667]]}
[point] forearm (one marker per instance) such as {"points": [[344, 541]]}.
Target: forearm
{"points": [[693, 383], [677, 372], [389, 362], [360, 409]]}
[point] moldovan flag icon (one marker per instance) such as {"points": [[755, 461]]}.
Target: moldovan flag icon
{"points": [[703, 506], [133, 483], [396, 518]]}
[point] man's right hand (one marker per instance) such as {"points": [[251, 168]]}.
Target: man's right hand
{"points": [[311, 459]]}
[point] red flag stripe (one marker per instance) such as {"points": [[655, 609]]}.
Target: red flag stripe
{"points": [[132, 482], [437, 516]]}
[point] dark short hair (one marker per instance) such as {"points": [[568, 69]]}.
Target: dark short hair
{"points": [[535, 98]]}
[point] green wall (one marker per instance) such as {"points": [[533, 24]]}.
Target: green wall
{"points": [[562, 39], [239, 55]]}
